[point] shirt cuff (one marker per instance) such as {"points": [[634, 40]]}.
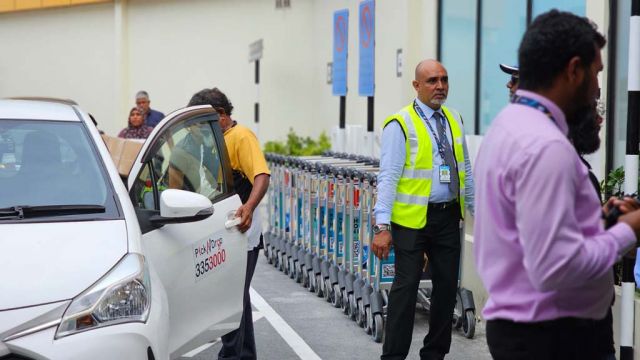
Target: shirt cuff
{"points": [[625, 237], [383, 217]]}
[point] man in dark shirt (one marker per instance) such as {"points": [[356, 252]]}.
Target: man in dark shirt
{"points": [[151, 117]]}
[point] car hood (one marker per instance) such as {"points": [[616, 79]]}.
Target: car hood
{"points": [[47, 262]]}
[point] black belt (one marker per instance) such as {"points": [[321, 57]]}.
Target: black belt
{"points": [[443, 205]]}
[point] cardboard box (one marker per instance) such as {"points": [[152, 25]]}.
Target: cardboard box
{"points": [[123, 152]]}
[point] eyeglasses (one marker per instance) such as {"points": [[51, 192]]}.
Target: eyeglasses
{"points": [[514, 79]]}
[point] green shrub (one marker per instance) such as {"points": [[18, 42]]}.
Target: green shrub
{"points": [[299, 146]]}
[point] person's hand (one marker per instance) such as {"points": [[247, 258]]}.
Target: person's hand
{"points": [[382, 244], [632, 218], [631, 254], [627, 204], [245, 213]]}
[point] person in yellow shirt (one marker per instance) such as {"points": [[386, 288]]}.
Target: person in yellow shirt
{"points": [[251, 181]]}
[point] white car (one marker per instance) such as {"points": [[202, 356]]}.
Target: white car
{"points": [[91, 270]]}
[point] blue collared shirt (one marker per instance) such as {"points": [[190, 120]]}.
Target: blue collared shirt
{"points": [[153, 117], [392, 157]]}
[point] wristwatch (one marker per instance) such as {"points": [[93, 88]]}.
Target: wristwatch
{"points": [[378, 228]]}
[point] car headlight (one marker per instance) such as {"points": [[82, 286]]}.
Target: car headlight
{"points": [[122, 295]]}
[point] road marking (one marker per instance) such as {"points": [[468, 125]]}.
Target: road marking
{"points": [[257, 315], [286, 332], [200, 349]]}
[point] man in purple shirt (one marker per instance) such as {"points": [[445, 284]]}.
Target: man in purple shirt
{"points": [[540, 245]]}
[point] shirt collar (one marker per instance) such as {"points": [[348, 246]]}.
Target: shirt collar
{"points": [[558, 114], [428, 112]]}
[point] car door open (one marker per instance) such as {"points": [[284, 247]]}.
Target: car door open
{"points": [[201, 263]]}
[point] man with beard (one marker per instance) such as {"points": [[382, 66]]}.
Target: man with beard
{"points": [[584, 133], [424, 182], [540, 245]]}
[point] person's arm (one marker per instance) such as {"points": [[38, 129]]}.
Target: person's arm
{"points": [[556, 253], [392, 157], [245, 212], [254, 166]]}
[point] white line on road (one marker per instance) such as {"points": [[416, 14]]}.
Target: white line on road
{"points": [[301, 348], [200, 349], [257, 315]]}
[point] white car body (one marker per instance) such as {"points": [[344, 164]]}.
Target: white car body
{"points": [[50, 267]]}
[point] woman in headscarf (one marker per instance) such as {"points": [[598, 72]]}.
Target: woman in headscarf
{"points": [[137, 128]]}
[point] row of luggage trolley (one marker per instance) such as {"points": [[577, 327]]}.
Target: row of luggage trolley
{"points": [[320, 232]]}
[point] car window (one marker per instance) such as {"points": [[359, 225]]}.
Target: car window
{"points": [[46, 163], [186, 158]]}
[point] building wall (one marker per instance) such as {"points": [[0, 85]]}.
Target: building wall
{"points": [[64, 52], [101, 55]]}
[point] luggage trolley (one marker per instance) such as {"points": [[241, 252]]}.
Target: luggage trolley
{"points": [[323, 258], [351, 232], [276, 212], [298, 249], [344, 242]]}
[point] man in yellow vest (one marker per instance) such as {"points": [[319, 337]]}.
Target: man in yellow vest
{"points": [[424, 182]]}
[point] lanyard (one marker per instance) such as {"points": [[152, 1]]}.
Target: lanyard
{"points": [[435, 135], [523, 100]]}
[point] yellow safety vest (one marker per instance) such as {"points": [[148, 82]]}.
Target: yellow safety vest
{"points": [[414, 186]]}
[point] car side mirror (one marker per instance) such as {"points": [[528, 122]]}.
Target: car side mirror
{"points": [[180, 206]]}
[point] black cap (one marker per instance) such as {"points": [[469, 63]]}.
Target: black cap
{"points": [[509, 69]]}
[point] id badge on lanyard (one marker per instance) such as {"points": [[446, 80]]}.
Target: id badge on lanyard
{"points": [[445, 174]]}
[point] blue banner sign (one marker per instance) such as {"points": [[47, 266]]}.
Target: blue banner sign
{"points": [[340, 47], [366, 83]]}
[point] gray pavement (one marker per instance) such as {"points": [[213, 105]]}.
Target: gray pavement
{"points": [[322, 329]]}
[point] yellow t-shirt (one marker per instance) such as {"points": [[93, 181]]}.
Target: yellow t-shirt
{"points": [[244, 152]]}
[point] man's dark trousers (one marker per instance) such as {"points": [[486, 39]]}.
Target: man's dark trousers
{"points": [[240, 343], [560, 339], [440, 239]]}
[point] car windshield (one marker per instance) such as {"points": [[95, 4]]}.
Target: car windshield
{"points": [[50, 163]]}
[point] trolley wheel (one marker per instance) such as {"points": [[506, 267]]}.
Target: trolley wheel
{"points": [[327, 290], [360, 315], [318, 285], [311, 281], [336, 298], [458, 313], [267, 253], [352, 307], [368, 321], [344, 303], [304, 277], [378, 328], [469, 324], [293, 269]]}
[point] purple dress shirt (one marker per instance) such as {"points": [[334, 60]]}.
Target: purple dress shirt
{"points": [[540, 245]]}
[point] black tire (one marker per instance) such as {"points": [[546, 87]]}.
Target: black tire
{"points": [[458, 312], [469, 324], [368, 320], [344, 304], [360, 314], [318, 285], [311, 281], [336, 296], [304, 278], [353, 307], [327, 290], [377, 330]]}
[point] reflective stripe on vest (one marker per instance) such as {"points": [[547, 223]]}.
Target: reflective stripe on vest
{"points": [[414, 186]]}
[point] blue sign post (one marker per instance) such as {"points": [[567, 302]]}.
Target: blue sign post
{"points": [[340, 49], [366, 84]]}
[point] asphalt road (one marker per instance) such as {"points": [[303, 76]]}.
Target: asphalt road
{"points": [[292, 323]]}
